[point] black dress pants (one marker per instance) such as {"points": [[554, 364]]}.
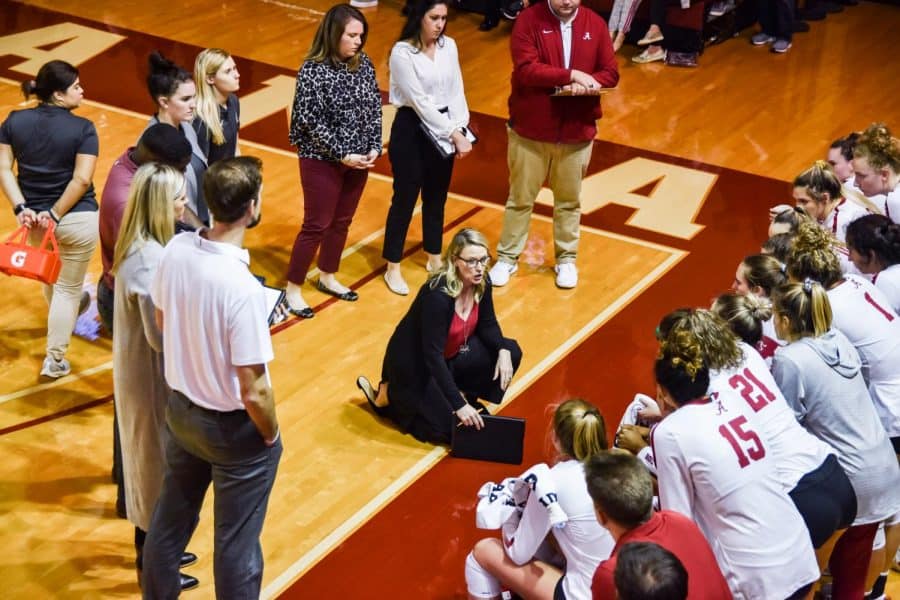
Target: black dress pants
{"points": [[418, 167]]}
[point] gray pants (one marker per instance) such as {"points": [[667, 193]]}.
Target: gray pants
{"points": [[226, 449]]}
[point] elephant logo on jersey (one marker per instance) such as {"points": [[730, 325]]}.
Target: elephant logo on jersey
{"points": [[720, 408]]}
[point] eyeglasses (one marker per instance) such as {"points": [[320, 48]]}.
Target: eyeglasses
{"points": [[475, 262]]}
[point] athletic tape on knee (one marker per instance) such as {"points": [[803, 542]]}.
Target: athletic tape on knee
{"points": [[479, 582], [879, 541]]}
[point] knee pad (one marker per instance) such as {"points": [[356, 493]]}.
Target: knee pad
{"points": [[879, 541], [479, 582]]}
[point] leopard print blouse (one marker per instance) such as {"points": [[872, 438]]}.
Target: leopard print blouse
{"points": [[336, 111]]}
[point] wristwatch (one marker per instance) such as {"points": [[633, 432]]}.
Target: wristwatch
{"points": [[19, 208]]}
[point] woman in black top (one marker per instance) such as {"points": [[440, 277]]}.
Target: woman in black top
{"points": [[336, 127], [218, 108], [56, 154], [448, 351]]}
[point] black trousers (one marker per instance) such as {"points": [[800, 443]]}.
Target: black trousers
{"points": [[418, 167], [473, 373], [776, 17]]}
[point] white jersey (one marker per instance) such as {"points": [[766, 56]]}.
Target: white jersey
{"points": [[840, 218], [797, 451], [863, 314], [770, 341], [888, 281], [717, 469], [892, 205], [583, 541]]}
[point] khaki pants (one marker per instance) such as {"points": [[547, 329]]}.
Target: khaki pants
{"points": [[530, 164], [76, 235]]}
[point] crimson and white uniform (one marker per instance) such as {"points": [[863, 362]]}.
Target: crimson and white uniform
{"points": [[716, 468], [582, 540], [863, 314], [892, 204], [797, 452], [836, 223], [770, 341], [888, 281]]}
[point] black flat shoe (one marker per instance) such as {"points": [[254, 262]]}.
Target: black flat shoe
{"points": [[488, 24], [366, 388], [304, 313], [187, 559], [188, 582], [350, 296]]}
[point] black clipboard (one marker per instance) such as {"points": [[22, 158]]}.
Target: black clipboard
{"points": [[274, 297], [502, 439]]}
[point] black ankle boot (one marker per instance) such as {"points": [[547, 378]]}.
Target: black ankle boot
{"points": [[488, 24]]}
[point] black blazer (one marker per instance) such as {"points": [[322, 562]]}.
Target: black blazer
{"points": [[415, 352]]}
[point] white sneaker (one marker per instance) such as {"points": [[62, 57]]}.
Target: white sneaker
{"points": [[55, 369], [501, 272], [566, 275]]}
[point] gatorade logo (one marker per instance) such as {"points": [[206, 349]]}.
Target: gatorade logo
{"points": [[18, 258]]}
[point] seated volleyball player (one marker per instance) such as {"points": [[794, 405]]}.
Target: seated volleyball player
{"points": [[579, 433], [874, 245], [820, 374], [448, 351], [716, 468]]}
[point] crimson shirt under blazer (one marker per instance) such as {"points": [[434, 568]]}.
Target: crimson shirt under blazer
{"points": [[538, 67]]}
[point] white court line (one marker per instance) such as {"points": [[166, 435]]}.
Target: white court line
{"points": [[52, 384]]}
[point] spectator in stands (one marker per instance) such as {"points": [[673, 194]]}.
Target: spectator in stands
{"points": [[448, 351], [622, 492], [157, 199], [551, 137], [874, 244], [862, 313], [429, 133], [646, 571], [820, 374], [55, 153], [776, 17], [175, 96], [336, 128], [218, 108], [718, 469], [620, 21], [579, 433], [876, 164], [654, 35]]}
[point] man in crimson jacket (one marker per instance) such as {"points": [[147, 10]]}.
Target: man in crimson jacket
{"points": [[557, 46]]}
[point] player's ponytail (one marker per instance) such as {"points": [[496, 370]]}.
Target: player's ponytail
{"points": [[580, 429]]}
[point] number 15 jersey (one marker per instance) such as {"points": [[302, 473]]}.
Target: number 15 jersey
{"points": [[715, 468]]}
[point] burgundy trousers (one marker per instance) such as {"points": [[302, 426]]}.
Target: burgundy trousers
{"points": [[849, 562], [331, 193]]}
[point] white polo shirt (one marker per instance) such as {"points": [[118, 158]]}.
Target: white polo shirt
{"points": [[214, 319]]}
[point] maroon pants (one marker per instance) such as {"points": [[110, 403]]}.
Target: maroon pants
{"points": [[331, 193], [849, 562]]}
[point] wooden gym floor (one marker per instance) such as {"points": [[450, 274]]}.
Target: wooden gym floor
{"points": [[685, 165]]}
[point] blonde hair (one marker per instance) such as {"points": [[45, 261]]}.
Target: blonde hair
{"points": [[453, 285], [819, 180], [763, 271], [806, 307], [744, 313], [580, 429], [813, 256], [700, 335], [150, 211], [879, 148], [208, 63]]}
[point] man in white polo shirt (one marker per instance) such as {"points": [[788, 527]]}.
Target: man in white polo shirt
{"points": [[221, 414]]}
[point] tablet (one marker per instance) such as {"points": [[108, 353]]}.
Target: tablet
{"points": [[274, 297], [502, 439]]}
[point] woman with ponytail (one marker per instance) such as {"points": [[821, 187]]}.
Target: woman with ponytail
{"points": [[174, 95], [876, 162], [55, 153], [218, 108], [748, 315], [716, 466], [863, 314], [874, 244], [821, 377], [757, 276], [741, 381], [579, 433], [818, 191]]}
